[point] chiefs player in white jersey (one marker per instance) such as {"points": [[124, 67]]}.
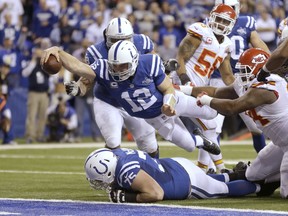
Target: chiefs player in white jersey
{"points": [[278, 62], [266, 102], [204, 49]]}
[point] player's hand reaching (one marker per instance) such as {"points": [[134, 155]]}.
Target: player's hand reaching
{"points": [[203, 99], [122, 196], [168, 110], [262, 75], [72, 88], [168, 107]]}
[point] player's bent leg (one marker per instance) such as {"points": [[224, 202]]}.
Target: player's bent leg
{"points": [[187, 106], [203, 160], [143, 134], [284, 176], [258, 142], [202, 185], [172, 129], [266, 164], [242, 188], [219, 121], [110, 125]]}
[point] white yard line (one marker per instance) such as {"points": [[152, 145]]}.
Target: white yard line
{"points": [[143, 205], [99, 145], [41, 172]]}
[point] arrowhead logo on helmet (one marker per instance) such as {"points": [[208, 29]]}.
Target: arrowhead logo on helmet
{"points": [[260, 58]]}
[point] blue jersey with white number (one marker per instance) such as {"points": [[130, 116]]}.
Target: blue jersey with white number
{"points": [[138, 95], [100, 51], [240, 37], [170, 175]]}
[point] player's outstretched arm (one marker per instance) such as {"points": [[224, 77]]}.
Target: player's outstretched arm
{"points": [[71, 63], [278, 57], [144, 190], [251, 99], [226, 71]]}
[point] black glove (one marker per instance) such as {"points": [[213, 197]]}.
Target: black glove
{"points": [[171, 65], [262, 75], [72, 88], [122, 196]]}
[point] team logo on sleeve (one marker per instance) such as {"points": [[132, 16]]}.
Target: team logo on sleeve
{"points": [[241, 31], [147, 81]]}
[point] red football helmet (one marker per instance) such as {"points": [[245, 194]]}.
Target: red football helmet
{"points": [[249, 64], [222, 19]]}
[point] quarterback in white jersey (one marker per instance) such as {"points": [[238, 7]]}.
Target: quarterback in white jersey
{"points": [[266, 102], [205, 49]]}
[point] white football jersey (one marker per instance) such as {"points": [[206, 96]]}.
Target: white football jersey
{"points": [[272, 119], [208, 56]]}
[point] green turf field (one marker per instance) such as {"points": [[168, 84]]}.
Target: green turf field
{"points": [[54, 171]]}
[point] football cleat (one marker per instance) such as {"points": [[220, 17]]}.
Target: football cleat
{"points": [[208, 145], [211, 171]]}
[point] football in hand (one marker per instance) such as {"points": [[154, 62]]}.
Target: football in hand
{"points": [[52, 66]]}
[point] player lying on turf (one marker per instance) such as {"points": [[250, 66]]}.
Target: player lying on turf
{"points": [[133, 176]]}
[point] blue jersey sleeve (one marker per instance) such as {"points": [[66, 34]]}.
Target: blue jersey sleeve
{"points": [[96, 51], [143, 43], [157, 70]]}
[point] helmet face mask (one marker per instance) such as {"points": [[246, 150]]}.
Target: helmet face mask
{"points": [[249, 64], [122, 60], [118, 29], [222, 19], [100, 168]]}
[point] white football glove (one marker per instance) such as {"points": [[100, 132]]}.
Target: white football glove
{"points": [[72, 88]]}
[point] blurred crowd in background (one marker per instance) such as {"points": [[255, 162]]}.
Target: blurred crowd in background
{"points": [[39, 103]]}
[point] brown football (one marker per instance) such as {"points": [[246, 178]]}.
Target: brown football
{"points": [[52, 66]]}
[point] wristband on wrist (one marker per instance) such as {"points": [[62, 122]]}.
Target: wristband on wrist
{"points": [[265, 69], [206, 100], [78, 92], [184, 78], [187, 90], [130, 197], [170, 100]]}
